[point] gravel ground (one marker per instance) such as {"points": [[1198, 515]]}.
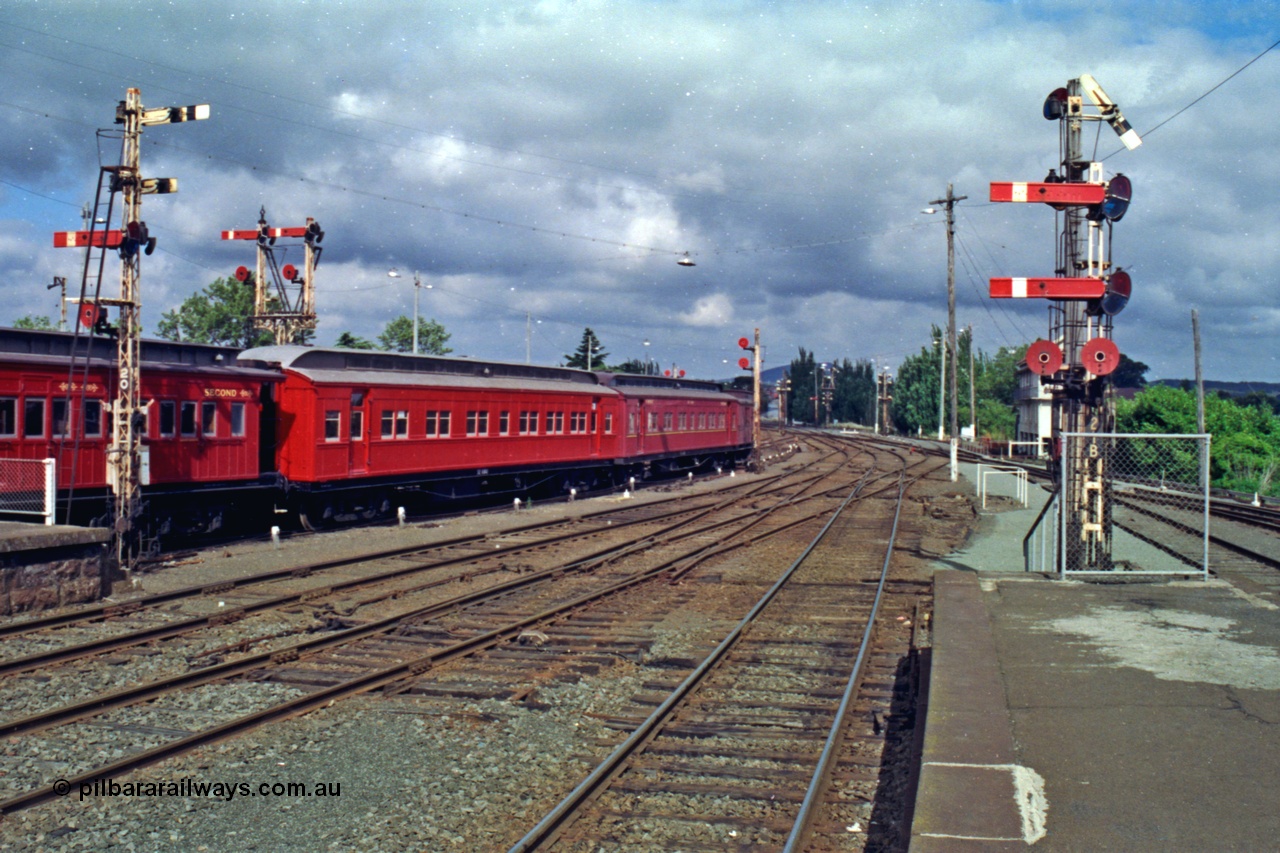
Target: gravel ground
{"points": [[402, 772]]}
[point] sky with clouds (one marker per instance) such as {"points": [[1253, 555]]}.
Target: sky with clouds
{"points": [[543, 166]]}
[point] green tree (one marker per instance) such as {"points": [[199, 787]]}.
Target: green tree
{"points": [[854, 400], [803, 372], [347, 340], [632, 365], [1130, 373], [220, 314], [32, 321], [590, 355], [996, 380], [1245, 451], [397, 336], [915, 390]]}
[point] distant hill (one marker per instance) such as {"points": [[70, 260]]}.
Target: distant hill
{"points": [[1235, 389]]}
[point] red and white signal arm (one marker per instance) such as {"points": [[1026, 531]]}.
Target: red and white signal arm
{"points": [[76, 239], [1047, 288], [1062, 193], [1101, 356]]}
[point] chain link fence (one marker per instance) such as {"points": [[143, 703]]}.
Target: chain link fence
{"points": [[28, 487], [1134, 503]]}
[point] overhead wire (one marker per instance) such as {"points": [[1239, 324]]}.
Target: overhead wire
{"points": [[1209, 92]]}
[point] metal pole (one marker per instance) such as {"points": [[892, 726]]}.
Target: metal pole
{"points": [[125, 450], [942, 388], [1195, 332], [973, 392], [817, 368], [417, 287], [755, 385]]}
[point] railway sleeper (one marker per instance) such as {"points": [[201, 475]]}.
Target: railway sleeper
{"points": [[752, 824], [650, 788]]}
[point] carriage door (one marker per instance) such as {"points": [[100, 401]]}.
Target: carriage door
{"points": [[595, 422], [358, 443], [266, 427]]}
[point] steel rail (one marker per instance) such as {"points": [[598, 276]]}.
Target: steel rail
{"points": [[359, 684], [235, 614], [143, 692], [107, 611], [800, 832], [193, 678], [557, 818]]}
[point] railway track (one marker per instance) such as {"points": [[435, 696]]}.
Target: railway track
{"points": [[376, 654], [1243, 540], [754, 747]]}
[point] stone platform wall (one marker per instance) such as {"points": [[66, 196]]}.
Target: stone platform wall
{"points": [[43, 568]]}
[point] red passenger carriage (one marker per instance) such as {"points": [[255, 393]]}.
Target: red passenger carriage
{"points": [[359, 430], [200, 441]]}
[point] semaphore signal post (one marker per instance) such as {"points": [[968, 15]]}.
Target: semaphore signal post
{"points": [[1085, 293], [131, 240]]}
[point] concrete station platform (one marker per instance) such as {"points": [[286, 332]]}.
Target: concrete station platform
{"points": [[1071, 716]]}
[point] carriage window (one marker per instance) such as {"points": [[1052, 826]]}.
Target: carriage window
{"points": [[357, 425], [332, 425], [395, 424], [188, 422], [666, 422], [608, 423], [577, 422], [702, 420], [684, 421], [168, 412], [504, 423], [209, 418], [33, 419], [477, 423], [528, 423], [237, 419], [92, 418], [59, 418], [438, 423], [555, 423], [653, 422], [8, 417]]}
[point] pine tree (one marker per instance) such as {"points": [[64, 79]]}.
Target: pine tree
{"points": [[590, 354]]}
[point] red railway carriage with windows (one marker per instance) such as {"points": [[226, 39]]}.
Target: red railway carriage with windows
{"points": [[673, 424], [201, 438], [356, 429]]}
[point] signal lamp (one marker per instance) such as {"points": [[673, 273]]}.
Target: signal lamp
{"points": [[1119, 288]]}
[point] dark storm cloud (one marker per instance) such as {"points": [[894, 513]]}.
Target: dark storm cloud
{"points": [[542, 166]]}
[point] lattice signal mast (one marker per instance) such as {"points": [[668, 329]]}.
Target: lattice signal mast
{"points": [[290, 310], [1085, 293], [131, 241]]}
